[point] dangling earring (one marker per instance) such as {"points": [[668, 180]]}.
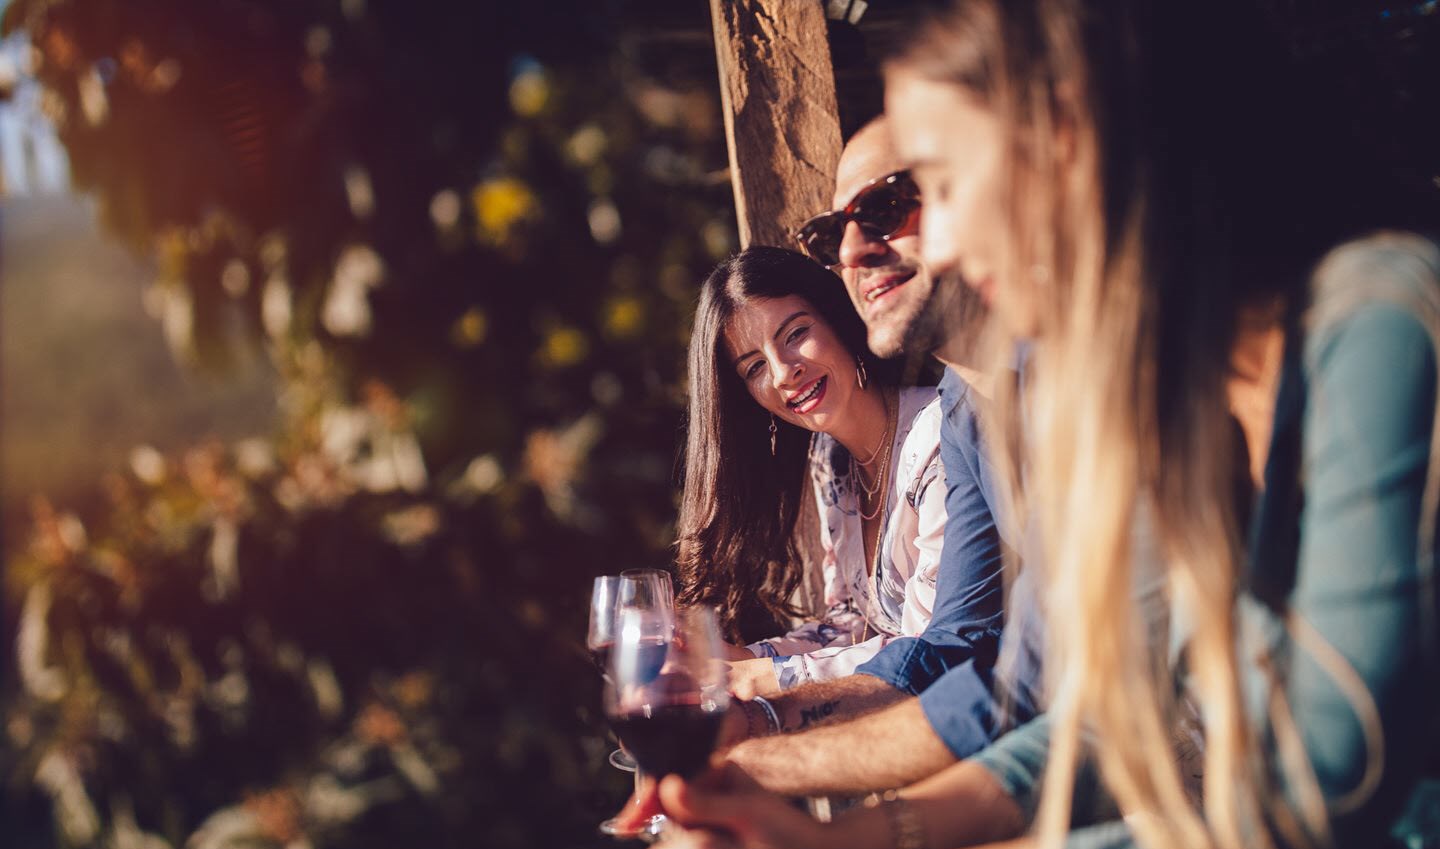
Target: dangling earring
{"points": [[860, 376], [773, 431]]}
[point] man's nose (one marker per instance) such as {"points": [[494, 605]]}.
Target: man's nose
{"points": [[859, 249]]}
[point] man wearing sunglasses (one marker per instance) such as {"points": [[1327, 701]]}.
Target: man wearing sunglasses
{"points": [[923, 702], [873, 732], [871, 239]]}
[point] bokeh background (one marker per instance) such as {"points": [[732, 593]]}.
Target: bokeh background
{"points": [[341, 345]]}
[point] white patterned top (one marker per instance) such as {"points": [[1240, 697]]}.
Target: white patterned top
{"points": [[895, 601]]}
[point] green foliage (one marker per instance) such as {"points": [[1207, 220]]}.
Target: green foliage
{"points": [[467, 237]]}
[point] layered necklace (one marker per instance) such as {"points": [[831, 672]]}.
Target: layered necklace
{"points": [[874, 491]]}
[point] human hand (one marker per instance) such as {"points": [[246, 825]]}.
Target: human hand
{"points": [[753, 677], [733, 653], [643, 804], [726, 809]]}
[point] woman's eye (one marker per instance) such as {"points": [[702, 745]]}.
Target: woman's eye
{"points": [[752, 370], [797, 334]]}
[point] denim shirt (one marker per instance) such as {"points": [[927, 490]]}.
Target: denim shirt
{"points": [[957, 652]]}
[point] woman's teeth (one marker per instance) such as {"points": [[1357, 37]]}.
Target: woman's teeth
{"points": [[805, 399]]}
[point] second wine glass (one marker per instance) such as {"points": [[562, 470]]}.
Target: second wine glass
{"points": [[667, 705]]}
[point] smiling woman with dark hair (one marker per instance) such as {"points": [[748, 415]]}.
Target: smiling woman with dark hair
{"points": [[783, 389]]}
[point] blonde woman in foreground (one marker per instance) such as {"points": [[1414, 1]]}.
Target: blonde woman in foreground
{"points": [[1120, 188]]}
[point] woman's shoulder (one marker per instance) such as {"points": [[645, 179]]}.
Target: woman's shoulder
{"points": [[1370, 342], [1370, 294]]}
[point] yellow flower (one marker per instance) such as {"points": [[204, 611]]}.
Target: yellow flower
{"points": [[529, 93], [501, 205], [470, 329], [564, 346], [624, 317]]}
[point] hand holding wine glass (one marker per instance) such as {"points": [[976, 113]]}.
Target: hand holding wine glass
{"points": [[667, 703], [725, 808], [650, 594]]}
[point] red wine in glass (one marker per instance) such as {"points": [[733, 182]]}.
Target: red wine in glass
{"points": [[666, 705], [668, 739]]}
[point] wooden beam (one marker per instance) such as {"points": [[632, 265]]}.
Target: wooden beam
{"points": [[782, 126]]}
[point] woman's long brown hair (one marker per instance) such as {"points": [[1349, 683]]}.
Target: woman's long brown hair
{"points": [[736, 547]]}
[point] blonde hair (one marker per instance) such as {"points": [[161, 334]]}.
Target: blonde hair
{"points": [[1137, 314]]}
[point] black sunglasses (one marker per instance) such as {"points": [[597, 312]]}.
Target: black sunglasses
{"points": [[881, 208]]}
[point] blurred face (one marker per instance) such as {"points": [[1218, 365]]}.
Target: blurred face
{"points": [[885, 278], [954, 147], [791, 362]]}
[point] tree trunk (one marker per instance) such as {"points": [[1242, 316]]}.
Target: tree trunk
{"points": [[782, 126]]}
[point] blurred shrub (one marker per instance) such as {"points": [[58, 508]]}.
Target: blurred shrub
{"points": [[466, 236]]}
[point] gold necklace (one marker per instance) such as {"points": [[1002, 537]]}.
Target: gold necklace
{"points": [[877, 486]]}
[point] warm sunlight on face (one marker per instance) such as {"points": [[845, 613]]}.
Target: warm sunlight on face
{"points": [[884, 277], [791, 361], [954, 147]]}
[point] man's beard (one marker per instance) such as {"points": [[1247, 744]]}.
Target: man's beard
{"points": [[950, 309]]}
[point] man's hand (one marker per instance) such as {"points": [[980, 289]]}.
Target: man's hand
{"points": [[724, 808], [753, 677], [643, 804]]}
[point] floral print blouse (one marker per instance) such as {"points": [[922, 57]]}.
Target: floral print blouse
{"points": [[865, 611]]}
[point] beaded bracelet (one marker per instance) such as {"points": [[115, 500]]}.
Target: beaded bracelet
{"points": [[770, 714]]}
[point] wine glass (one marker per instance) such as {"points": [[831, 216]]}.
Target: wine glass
{"points": [[666, 698], [651, 588], [647, 591], [604, 600]]}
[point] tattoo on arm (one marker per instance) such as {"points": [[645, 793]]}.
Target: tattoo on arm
{"points": [[817, 714]]}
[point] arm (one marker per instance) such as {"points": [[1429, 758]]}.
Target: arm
{"points": [[1359, 605], [808, 637], [1354, 600], [906, 741], [769, 677], [918, 526], [728, 810], [888, 748]]}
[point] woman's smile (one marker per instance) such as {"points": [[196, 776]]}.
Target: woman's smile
{"points": [[808, 398]]}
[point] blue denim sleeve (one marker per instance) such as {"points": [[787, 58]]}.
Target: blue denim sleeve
{"points": [[972, 703], [968, 614]]}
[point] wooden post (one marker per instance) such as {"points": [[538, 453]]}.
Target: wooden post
{"points": [[782, 127]]}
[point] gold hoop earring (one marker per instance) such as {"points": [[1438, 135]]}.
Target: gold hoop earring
{"points": [[773, 431], [860, 376]]}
